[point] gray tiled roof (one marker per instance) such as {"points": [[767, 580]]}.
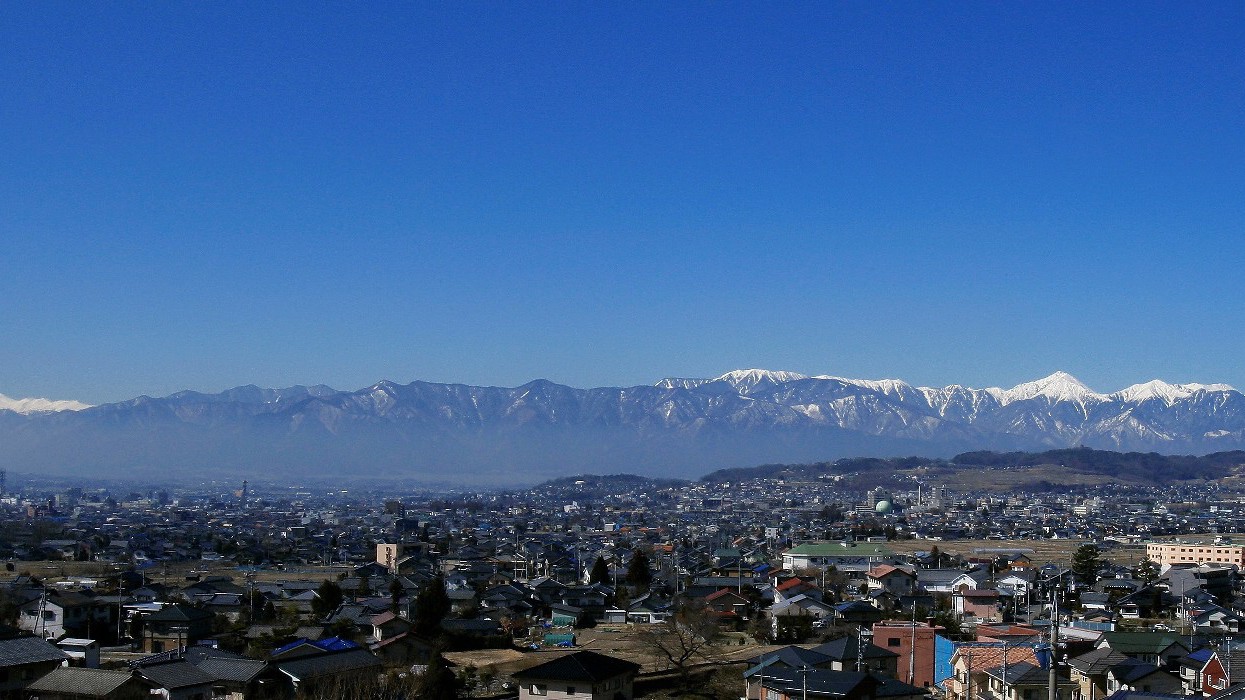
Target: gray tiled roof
{"points": [[178, 613], [175, 674], [240, 670], [80, 681], [588, 666], [28, 650], [316, 665]]}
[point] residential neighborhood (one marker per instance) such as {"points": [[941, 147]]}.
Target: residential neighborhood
{"points": [[621, 587]]}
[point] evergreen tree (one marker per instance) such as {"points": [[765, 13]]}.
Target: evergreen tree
{"points": [[431, 606], [638, 573], [395, 595], [600, 572], [1147, 571], [1086, 563], [437, 682], [328, 597]]}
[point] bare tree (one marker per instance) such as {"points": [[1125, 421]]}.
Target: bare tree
{"points": [[684, 639]]}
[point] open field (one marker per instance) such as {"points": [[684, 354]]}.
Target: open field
{"points": [[1050, 551], [624, 641], [172, 574], [1008, 479], [1044, 551]]}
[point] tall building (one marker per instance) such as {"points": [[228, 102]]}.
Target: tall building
{"points": [[1163, 553]]}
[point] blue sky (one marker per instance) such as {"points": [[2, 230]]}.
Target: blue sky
{"points": [[201, 195]]}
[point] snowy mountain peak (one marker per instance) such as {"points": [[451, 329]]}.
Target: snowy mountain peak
{"points": [[28, 406], [751, 377], [883, 386], [1168, 393], [680, 383], [1059, 386]]}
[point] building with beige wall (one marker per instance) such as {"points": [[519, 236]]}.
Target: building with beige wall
{"points": [[1164, 553], [388, 554]]}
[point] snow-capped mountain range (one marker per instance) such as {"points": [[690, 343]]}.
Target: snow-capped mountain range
{"points": [[678, 426], [27, 406]]}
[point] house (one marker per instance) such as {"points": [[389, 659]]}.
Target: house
{"points": [[405, 649], [914, 643], [801, 684], [849, 654], [58, 613], [176, 679], [239, 678], [1089, 672], [583, 674], [727, 605], [73, 683], [1132, 674], [791, 587], [1024, 681], [174, 626], [1214, 619], [310, 647], [387, 625], [24, 659], [800, 606], [979, 603], [1091, 600], [1190, 670], [844, 556], [1158, 648], [1222, 669], [971, 662], [328, 671], [896, 580], [857, 612], [950, 580], [791, 657]]}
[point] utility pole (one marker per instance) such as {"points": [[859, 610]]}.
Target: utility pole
{"points": [[120, 597], [860, 647], [1052, 681], [912, 649], [1005, 669]]}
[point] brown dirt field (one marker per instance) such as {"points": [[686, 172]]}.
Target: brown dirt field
{"points": [[1045, 551], [173, 574]]}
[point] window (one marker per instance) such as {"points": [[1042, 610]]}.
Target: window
{"points": [[539, 689], [892, 641], [570, 690]]}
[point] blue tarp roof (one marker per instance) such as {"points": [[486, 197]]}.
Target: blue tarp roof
{"points": [[330, 644]]}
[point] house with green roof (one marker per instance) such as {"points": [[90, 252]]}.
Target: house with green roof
{"points": [[844, 556], [1163, 649]]}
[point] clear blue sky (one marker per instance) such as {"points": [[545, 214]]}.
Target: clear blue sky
{"points": [[200, 195]]}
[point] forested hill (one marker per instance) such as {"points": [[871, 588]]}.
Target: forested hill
{"points": [[1137, 466]]}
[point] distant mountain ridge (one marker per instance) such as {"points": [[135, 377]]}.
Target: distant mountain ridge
{"points": [[676, 427], [28, 406]]}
